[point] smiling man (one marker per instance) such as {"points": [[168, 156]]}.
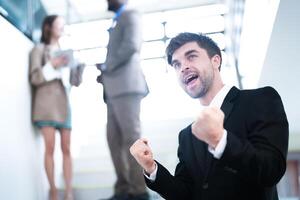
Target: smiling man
{"points": [[235, 149]]}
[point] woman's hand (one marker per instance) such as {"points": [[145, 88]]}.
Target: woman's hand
{"points": [[59, 61]]}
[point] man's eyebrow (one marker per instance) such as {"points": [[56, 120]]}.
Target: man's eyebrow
{"points": [[185, 54], [190, 52]]}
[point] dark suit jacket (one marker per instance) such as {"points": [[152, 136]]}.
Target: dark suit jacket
{"points": [[254, 159]]}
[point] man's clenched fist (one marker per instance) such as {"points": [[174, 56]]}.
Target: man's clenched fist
{"points": [[208, 126], [143, 155]]}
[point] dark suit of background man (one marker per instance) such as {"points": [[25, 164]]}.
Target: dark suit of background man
{"points": [[124, 87], [236, 148]]}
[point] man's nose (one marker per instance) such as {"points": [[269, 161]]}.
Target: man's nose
{"points": [[185, 65]]}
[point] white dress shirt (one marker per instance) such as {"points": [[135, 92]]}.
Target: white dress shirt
{"points": [[218, 151]]}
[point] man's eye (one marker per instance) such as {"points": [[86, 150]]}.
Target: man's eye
{"points": [[176, 65], [192, 56]]}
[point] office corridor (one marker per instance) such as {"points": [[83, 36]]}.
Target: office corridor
{"points": [[260, 40]]}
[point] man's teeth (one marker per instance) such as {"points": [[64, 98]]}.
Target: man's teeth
{"points": [[189, 78]]}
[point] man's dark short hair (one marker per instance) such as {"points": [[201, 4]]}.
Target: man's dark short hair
{"points": [[203, 41]]}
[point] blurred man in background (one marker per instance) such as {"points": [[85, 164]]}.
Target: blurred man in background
{"points": [[124, 87]]}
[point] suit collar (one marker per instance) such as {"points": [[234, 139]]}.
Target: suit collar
{"points": [[228, 102], [119, 12], [220, 96]]}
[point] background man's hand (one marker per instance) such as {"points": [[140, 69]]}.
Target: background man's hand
{"points": [[141, 151], [101, 66], [208, 126], [100, 78]]}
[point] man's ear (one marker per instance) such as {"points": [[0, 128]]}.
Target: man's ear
{"points": [[216, 61]]}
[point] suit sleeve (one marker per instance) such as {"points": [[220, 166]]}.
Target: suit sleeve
{"points": [[260, 158], [131, 41], [36, 76], [171, 187]]}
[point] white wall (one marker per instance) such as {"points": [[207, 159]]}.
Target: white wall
{"points": [[282, 63], [257, 27], [21, 165]]}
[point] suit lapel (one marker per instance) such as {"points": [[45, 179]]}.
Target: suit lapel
{"points": [[228, 103], [200, 149], [203, 157]]}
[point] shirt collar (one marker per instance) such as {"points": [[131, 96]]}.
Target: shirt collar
{"points": [[219, 98], [119, 12], [116, 17]]}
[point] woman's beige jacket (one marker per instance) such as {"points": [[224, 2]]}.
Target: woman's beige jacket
{"points": [[49, 98]]}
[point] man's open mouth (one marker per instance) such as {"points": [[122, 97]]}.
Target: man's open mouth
{"points": [[188, 79]]}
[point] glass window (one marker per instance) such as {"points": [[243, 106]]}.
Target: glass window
{"points": [[91, 56], [153, 49], [87, 35], [200, 25], [195, 12], [219, 38], [153, 22], [26, 15], [17, 13]]}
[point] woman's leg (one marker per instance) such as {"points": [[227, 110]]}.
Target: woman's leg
{"points": [[67, 161], [49, 138]]}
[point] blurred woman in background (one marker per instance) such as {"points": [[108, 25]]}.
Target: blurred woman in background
{"points": [[50, 103]]}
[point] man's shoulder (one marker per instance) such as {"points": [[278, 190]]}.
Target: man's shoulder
{"points": [[131, 13], [265, 91], [260, 97], [185, 132]]}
